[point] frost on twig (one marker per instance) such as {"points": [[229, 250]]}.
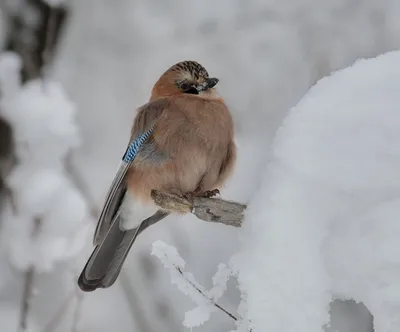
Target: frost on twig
{"points": [[206, 300], [208, 209]]}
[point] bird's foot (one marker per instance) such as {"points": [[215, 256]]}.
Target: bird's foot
{"points": [[188, 196], [206, 194], [210, 193]]}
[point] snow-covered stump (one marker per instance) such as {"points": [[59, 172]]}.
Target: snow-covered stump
{"points": [[325, 222]]}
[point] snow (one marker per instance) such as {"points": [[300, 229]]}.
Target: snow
{"points": [[9, 318], [56, 3], [47, 113], [205, 300], [10, 64], [267, 54], [171, 260], [48, 194], [324, 222], [46, 222], [219, 281]]}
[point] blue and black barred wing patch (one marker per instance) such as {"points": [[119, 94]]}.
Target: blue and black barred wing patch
{"points": [[117, 189]]}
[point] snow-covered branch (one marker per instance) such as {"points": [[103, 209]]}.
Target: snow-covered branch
{"points": [[206, 300]]}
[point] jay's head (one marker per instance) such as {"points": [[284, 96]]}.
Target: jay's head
{"points": [[187, 77]]}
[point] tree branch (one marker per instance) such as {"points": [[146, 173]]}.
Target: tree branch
{"points": [[27, 293], [215, 304], [207, 209], [76, 177], [77, 312], [55, 321]]}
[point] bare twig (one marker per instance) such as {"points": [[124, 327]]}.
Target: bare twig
{"points": [[207, 209], [27, 293], [26, 298], [17, 43], [212, 301], [80, 184], [30, 67], [52, 325], [78, 310], [11, 198], [133, 302], [51, 29]]}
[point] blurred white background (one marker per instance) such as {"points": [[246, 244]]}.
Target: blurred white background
{"points": [[267, 54]]}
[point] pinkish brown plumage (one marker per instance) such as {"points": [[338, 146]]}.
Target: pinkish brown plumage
{"points": [[190, 152], [196, 135]]}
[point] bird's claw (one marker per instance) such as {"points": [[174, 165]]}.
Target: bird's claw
{"points": [[206, 194], [210, 193], [188, 196]]}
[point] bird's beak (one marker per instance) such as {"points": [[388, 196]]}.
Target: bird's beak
{"points": [[208, 84]]}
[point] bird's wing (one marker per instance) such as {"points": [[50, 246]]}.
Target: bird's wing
{"points": [[106, 261], [143, 126]]}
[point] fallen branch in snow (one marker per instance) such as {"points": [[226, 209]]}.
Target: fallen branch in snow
{"points": [[207, 209]]}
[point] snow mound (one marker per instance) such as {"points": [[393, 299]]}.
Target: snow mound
{"points": [[325, 221]]}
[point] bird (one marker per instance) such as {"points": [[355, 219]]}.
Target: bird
{"points": [[189, 151]]}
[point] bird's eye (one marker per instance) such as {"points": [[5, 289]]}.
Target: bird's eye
{"points": [[192, 90], [189, 88], [185, 86]]}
